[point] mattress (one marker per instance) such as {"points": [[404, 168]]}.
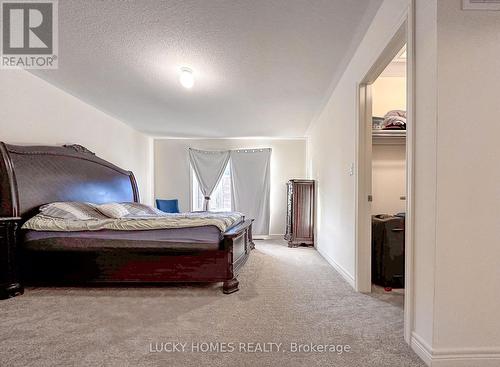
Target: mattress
{"points": [[223, 221], [192, 238]]}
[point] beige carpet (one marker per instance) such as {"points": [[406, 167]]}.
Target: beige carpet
{"points": [[286, 296]]}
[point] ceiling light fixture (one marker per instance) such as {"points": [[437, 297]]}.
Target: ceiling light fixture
{"points": [[186, 78]]}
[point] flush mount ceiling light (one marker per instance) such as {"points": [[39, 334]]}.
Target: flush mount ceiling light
{"points": [[186, 78]]}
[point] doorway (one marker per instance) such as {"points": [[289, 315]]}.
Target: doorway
{"points": [[387, 200], [385, 168]]}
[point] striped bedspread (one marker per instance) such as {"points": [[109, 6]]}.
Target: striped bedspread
{"points": [[223, 221]]}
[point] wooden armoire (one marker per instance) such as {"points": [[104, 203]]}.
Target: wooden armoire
{"points": [[300, 213]]}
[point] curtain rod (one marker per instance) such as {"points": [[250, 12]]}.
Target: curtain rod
{"points": [[253, 150]]}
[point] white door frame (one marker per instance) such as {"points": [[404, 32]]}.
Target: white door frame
{"points": [[403, 35]]}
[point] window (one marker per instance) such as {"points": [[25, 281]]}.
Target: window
{"points": [[220, 201]]}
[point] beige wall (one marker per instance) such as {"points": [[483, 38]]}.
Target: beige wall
{"points": [[172, 176], [332, 146], [35, 112], [468, 181], [388, 178], [389, 161], [457, 185], [388, 93], [425, 171]]}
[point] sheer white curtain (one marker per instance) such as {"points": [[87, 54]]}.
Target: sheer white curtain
{"points": [[208, 167], [250, 177]]}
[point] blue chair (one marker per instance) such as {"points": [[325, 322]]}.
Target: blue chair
{"points": [[168, 206]]}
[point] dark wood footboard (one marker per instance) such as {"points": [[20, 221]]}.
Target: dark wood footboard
{"points": [[238, 244], [125, 265]]}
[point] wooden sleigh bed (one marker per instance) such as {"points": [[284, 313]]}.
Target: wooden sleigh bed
{"points": [[31, 176]]}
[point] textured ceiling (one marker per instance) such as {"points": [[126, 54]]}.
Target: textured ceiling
{"points": [[262, 67]]}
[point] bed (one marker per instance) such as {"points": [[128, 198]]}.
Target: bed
{"points": [[32, 176]]}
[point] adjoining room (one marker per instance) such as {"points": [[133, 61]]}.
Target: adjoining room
{"points": [[388, 198]]}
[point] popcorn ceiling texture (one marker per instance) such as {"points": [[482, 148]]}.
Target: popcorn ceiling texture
{"points": [[262, 68], [286, 295]]}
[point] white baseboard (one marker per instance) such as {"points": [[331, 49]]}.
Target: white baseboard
{"points": [[464, 357], [345, 274], [460, 358], [421, 348], [269, 237]]}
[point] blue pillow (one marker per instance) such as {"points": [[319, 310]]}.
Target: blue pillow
{"points": [[168, 206]]}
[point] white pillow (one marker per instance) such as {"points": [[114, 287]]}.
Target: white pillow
{"points": [[71, 210], [128, 210], [112, 210]]}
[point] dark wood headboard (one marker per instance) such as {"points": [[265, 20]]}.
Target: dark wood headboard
{"points": [[31, 176]]}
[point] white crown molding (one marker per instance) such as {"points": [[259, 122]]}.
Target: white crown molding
{"points": [[229, 138]]}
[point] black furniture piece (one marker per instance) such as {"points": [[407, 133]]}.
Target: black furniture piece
{"points": [[300, 213], [9, 272], [388, 251]]}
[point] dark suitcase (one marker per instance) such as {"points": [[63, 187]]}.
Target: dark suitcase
{"points": [[388, 251]]}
